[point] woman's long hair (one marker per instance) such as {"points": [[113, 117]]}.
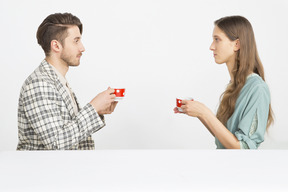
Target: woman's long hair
{"points": [[247, 60]]}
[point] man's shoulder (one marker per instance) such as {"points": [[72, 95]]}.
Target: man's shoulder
{"points": [[39, 76]]}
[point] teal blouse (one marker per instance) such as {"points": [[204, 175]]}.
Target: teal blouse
{"points": [[249, 120]]}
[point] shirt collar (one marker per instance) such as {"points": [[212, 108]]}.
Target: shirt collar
{"points": [[251, 75], [60, 76]]}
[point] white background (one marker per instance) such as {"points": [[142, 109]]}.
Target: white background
{"points": [[157, 50]]}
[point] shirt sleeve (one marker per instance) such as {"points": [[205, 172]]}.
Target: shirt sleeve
{"points": [[253, 128], [53, 126], [251, 132]]}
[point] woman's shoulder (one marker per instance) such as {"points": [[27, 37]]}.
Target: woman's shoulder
{"points": [[255, 85], [256, 82]]}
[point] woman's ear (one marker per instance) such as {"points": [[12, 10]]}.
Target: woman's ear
{"points": [[237, 45], [56, 46]]}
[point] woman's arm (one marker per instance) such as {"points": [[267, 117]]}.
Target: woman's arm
{"points": [[216, 128], [205, 124]]}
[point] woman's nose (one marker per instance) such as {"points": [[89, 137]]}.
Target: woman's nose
{"points": [[212, 46]]}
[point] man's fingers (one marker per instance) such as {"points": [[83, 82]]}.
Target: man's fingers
{"points": [[110, 91]]}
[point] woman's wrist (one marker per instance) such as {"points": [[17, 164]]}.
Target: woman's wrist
{"points": [[205, 114]]}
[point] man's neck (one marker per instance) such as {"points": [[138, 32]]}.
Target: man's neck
{"points": [[61, 66]]}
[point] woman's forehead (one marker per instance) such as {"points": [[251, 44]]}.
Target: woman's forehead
{"points": [[217, 32]]}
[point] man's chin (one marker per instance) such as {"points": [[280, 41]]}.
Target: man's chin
{"points": [[74, 64]]}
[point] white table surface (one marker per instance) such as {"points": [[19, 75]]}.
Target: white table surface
{"points": [[144, 170]]}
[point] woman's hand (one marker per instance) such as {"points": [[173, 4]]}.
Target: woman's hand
{"points": [[176, 110], [194, 108], [214, 126]]}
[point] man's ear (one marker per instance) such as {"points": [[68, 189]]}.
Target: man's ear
{"points": [[56, 46], [237, 45]]}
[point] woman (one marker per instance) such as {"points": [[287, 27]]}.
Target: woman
{"points": [[245, 111]]}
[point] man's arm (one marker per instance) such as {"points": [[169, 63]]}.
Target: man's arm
{"points": [[50, 119]]}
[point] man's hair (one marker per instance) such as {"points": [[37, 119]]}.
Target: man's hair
{"points": [[54, 27]]}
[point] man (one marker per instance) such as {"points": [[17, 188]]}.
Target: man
{"points": [[49, 116]]}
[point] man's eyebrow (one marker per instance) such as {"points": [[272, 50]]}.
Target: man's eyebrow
{"points": [[77, 38]]}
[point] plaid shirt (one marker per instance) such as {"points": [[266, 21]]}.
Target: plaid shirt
{"points": [[46, 119]]}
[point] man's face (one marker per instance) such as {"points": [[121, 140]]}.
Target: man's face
{"points": [[73, 47]]}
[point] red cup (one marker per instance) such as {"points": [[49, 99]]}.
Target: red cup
{"points": [[119, 93], [179, 102]]}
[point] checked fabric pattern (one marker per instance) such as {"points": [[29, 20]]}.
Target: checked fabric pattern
{"points": [[46, 119]]}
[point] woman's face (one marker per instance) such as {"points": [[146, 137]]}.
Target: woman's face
{"points": [[224, 50]]}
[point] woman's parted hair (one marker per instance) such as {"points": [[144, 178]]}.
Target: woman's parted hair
{"points": [[54, 27], [247, 61]]}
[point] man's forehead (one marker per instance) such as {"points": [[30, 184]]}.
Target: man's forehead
{"points": [[73, 31]]}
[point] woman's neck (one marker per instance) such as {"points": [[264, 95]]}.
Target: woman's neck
{"points": [[230, 69]]}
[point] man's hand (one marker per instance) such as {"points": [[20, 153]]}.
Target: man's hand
{"points": [[110, 109], [104, 102]]}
